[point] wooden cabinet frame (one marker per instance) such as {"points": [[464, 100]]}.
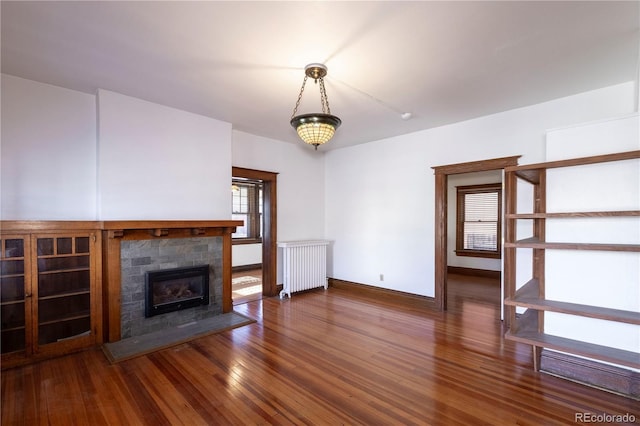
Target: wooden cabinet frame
{"points": [[29, 232]]}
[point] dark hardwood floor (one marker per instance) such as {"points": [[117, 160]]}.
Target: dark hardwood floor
{"points": [[319, 358]]}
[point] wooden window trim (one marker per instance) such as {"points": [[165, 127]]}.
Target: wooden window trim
{"points": [[253, 226], [241, 241], [460, 195]]}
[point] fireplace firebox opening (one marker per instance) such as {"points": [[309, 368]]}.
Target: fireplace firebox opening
{"points": [[171, 290]]}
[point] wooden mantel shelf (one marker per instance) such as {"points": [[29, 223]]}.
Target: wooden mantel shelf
{"points": [[168, 224], [143, 229], [47, 225]]}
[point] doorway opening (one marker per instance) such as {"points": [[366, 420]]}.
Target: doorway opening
{"points": [[247, 206], [474, 228], [246, 285], [442, 175], [252, 279]]}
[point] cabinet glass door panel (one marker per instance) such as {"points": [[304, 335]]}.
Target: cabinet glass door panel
{"points": [[63, 330], [13, 339], [62, 263], [13, 248], [64, 283], [12, 316], [64, 245], [45, 246], [12, 267], [61, 318], [63, 308], [12, 289], [64, 288], [12, 295], [81, 245]]}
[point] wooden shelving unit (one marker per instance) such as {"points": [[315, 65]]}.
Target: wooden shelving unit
{"points": [[50, 295], [528, 327]]}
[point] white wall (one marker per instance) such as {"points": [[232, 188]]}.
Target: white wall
{"points": [[160, 163], [48, 150], [246, 254], [380, 195], [453, 181], [142, 160]]}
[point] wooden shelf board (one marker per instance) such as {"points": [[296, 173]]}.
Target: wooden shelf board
{"points": [[620, 156], [11, 276], [535, 243], [13, 328], [528, 297], [67, 294], [12, 302], [65, 255], [64, 271], [589, 350], [80, 315], [562, 215], [531, 175], [589, 311]]}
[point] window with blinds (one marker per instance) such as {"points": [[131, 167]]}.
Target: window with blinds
{"points": [[478, 227], [247, 206]]}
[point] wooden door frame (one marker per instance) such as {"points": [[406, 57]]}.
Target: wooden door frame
{"points": [[269, 219], [441, 177]]}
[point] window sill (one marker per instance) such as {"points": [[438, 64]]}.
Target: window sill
{"points": [[241, 241], [478, 253]]}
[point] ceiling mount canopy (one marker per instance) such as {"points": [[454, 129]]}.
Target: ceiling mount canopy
{"points": [[315, 128]]}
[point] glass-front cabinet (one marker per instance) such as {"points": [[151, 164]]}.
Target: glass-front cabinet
{"points": [[48, 293]]}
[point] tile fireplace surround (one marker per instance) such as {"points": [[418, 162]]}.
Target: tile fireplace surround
{"points": [[138, 257], [131, 248]]}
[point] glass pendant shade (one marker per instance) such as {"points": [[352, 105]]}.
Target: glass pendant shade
{"points": [[315, 129]]}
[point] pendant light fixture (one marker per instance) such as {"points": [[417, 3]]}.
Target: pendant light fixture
{"points": [[315, 128]]}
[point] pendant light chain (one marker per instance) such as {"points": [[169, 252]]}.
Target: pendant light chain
{"points": [[323, 98], [295, 109]]}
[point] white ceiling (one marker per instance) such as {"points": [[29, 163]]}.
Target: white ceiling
{"points": [[242, 62]]}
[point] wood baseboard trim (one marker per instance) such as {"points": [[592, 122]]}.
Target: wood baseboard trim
{"points": [[242, 268], [473, 272], [378, 293], [592, 373]]}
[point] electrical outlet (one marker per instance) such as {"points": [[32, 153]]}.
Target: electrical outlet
{"points": [[381, 277]]}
